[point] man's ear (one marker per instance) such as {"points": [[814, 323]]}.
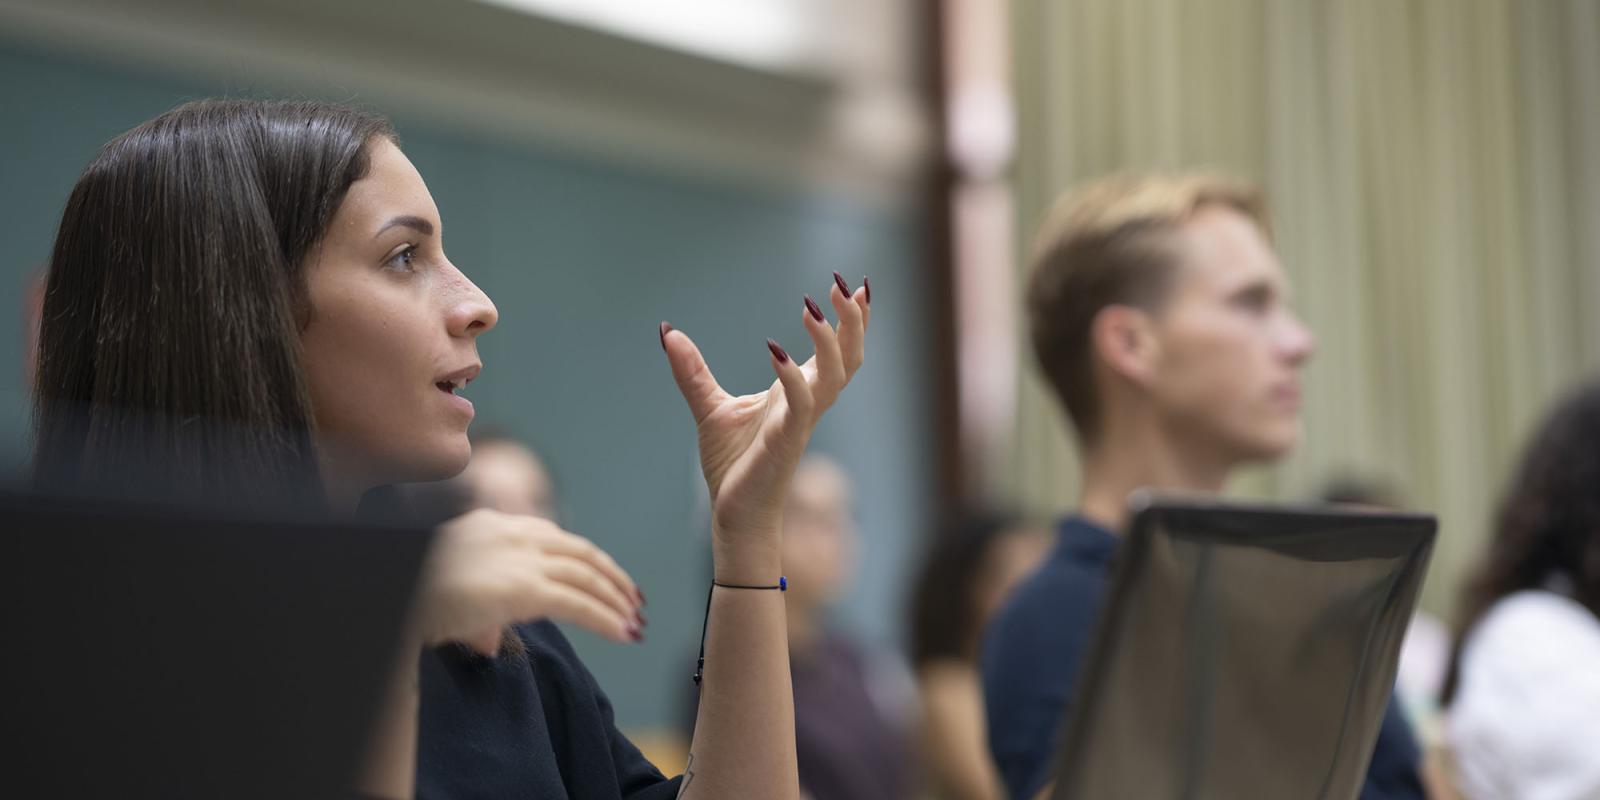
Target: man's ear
{"points": [[1124, 340]]}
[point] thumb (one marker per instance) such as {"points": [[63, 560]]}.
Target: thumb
{"points": [[695, 381]]}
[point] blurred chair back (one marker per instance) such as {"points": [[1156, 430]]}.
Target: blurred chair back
{"points": [[1244, 652]]}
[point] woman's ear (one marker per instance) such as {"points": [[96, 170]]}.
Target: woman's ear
{"points": [[1123, 339]]}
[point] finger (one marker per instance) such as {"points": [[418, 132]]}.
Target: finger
{"points": [[695, 381], [863, 298], [561, 543], [796, 391], [562, 602], [852, 325], [830, 363], [584, 577]]}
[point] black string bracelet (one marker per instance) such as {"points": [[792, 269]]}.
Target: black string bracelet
{"points": [[700, 667]]}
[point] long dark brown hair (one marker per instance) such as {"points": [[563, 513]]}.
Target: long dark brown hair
{"points": [[1548, 530], [169, 355]]}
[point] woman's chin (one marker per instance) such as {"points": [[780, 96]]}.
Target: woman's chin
{"points": [[441, 462]]}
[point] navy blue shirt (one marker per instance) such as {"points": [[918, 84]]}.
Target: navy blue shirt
{"points": [[529, 725], [1035, 646]]}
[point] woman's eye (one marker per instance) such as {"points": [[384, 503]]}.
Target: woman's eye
{"points": [[403, 260]]}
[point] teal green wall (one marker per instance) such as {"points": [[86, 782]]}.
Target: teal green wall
{"points": [[583, 259]]}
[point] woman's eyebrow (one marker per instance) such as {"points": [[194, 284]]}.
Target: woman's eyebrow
{"points": [[417, 224]]}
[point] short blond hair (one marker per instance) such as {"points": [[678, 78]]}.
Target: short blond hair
{"points": [[1110, 242]]}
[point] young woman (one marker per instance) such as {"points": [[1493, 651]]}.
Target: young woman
{"points": [[251, 300], [1523, 694]]}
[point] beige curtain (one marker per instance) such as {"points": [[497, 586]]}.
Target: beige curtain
{"points": [[1434, 173]]}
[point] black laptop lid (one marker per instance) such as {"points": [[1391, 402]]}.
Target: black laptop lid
{"points": [[157, 653], [1243, 652]]}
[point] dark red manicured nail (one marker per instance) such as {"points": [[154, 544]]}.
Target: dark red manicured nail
{"points": [[640, 619], [666, 328], [867, 282], [634, 633], [843, 287], [816, 310], [778, 352]]}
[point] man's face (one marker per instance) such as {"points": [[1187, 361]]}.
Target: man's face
{"points": [[1227, 370]]}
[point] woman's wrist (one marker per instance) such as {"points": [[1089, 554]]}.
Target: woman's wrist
{"points": [[745, 557]]}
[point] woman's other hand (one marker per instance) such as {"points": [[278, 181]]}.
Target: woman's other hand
{"points": [[488, 570]]}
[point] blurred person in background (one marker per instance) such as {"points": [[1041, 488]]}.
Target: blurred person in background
{"points": [[309, 342], [1522, 699], [1160, 316], [508, 476], [504, 475], [968, 573], [853, 704]]}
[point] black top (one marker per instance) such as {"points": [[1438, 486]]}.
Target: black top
{"points": [[524, 726], [1036, 644]]}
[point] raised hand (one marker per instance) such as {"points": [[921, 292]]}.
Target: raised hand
{"points": [[750, 444]]}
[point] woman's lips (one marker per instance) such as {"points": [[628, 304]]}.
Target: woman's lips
{"points": [[455, 382], [456, 401], [460, 403]]}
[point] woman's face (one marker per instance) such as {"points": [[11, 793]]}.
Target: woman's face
{"points": [[392, 335]]}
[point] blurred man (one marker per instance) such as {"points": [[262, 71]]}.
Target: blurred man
{"points": [[1158, 312]]}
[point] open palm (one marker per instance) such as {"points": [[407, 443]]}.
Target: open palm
{"points": [[750, 444]]}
